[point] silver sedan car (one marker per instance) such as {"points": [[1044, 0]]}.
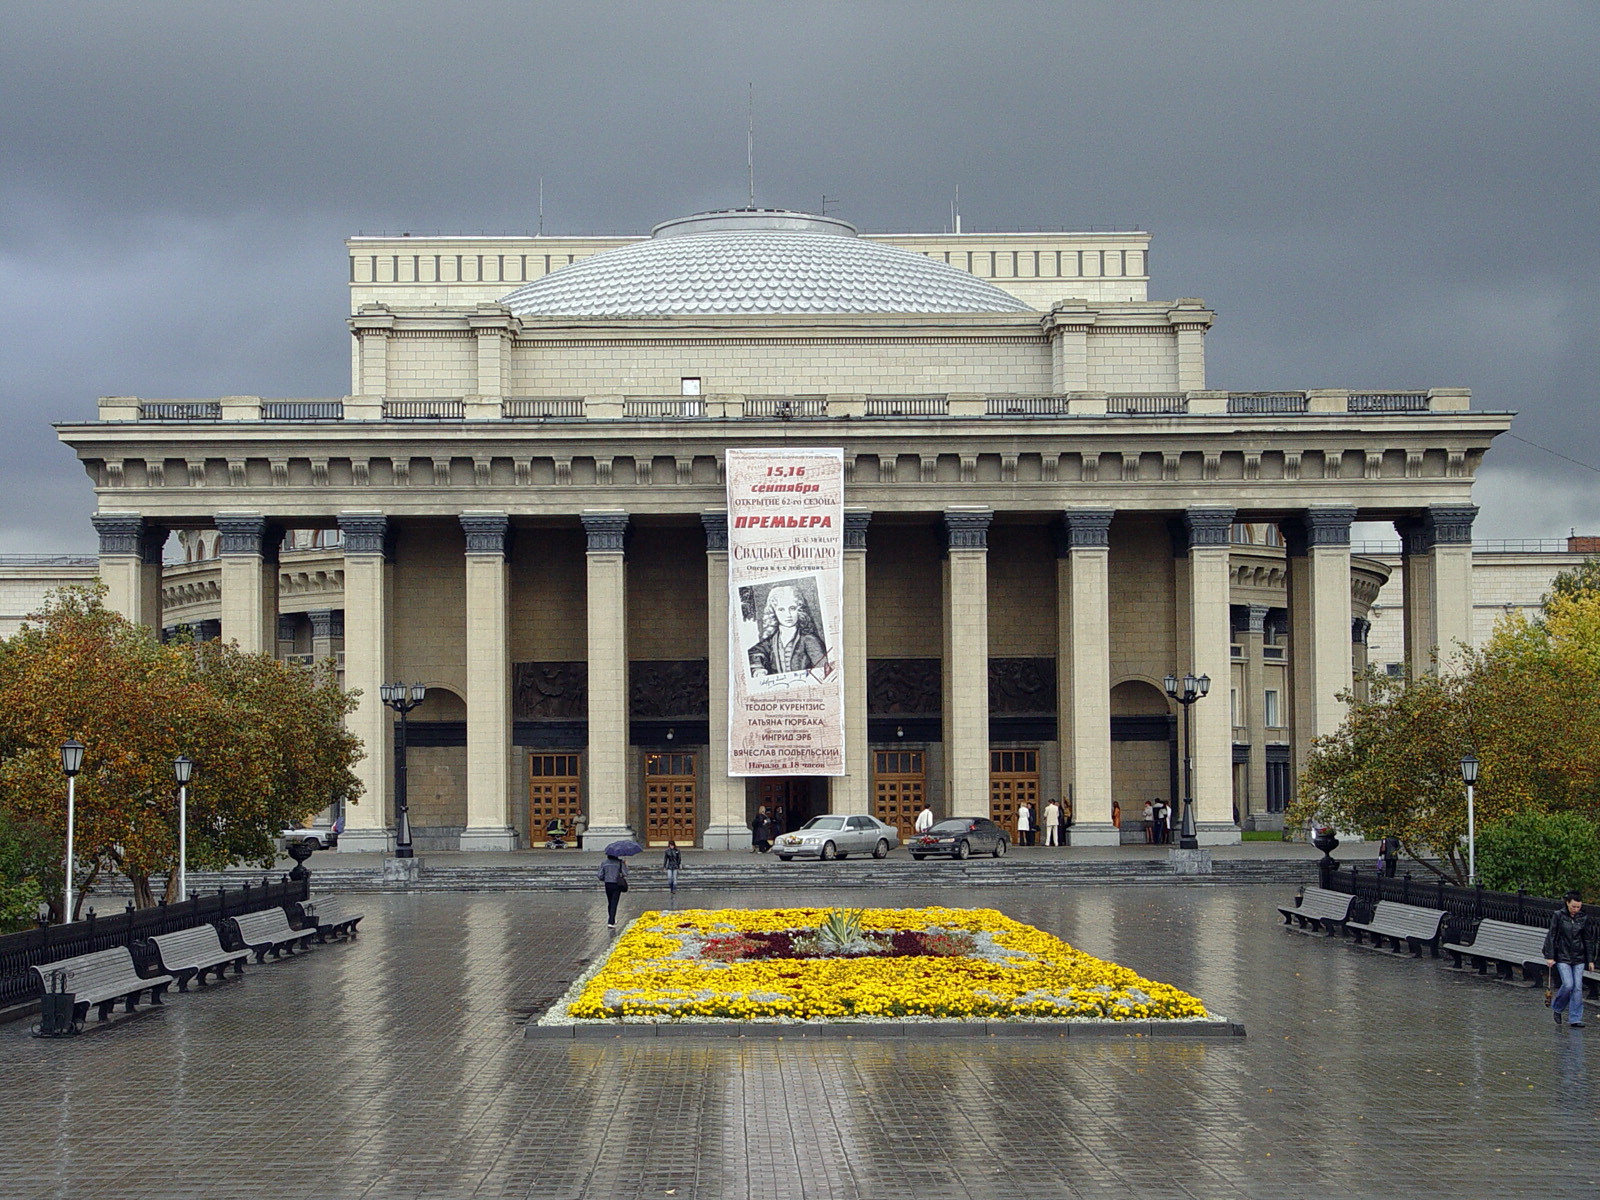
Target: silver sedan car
{"points": [[837, 836]]}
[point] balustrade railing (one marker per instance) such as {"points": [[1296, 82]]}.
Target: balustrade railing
{"points": [[1388, 402], [663, 407], [1026, 406], [302, 410], [541, 407], [424, 410], [180, 410], [1267, 402], [908, 406], [19, 952], [1148, 405], [786, 408]]}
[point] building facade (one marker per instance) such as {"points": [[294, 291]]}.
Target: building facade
{"points": [[520, 504]]}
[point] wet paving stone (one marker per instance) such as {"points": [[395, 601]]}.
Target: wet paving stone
{"points": [[394, 1067]]}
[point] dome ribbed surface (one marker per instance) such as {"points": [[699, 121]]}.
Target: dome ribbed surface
{"points": [[757, 271]]}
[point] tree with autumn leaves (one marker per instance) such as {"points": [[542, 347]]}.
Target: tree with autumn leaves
{"points": [[1527, 704], [267, 739]]}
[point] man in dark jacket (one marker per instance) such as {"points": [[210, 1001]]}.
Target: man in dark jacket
{"points": [[1569, 948]]}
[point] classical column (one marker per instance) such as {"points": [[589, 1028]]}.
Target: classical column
{"points": [[1318, 554], [326, 625], [249, 579], [966, 661], [1254, 638], [1083, 671], [489, 825], [366, 668], [1360, 629], [852, 791], [1436, 568], [130, 565], [726, 828], [1206, 608], [608, 676]]}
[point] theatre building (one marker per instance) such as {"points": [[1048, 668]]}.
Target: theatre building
{"points": [[522, 504]]}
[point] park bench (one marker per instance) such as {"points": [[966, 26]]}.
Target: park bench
{"points": [[329, 916], [1319, 909], [102, 979], [269, 931], [1506, 946], [1395, 923], [191, 953]]}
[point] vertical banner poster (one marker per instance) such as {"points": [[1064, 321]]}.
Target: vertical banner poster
{"points": [[785, 612]]}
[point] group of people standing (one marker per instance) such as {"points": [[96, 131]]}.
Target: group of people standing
{"points": [[1056, 818], [1157, 822], [764, 830]]}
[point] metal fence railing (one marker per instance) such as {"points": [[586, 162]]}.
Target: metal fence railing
{"points": [[1466, 905], [20, 952]]}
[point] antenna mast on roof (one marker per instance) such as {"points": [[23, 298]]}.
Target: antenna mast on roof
{"points": [[955, 211], [541, 206], [750, 139]]}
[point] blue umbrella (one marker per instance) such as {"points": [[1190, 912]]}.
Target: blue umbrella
{"points": [[624, 848]]}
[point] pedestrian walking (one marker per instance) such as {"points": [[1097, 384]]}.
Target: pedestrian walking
{"points": [[614, 874], [1024, 825], [1569, 949], [672, 860], [1052, 823], [1150, 822], [1389, 855], [925, 819]]}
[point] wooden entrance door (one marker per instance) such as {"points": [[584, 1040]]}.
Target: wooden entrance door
{"points": [[671, 808], [899, 787], [1013, 779], [793, 796], [555, 790]]}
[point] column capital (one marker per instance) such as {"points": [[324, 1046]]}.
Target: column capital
{"points": [[247, 534], [1317, 527], [1083, 529], [1256, 618], [487, 533], [606, 531], [323, 624], [856, 521], [715, 524], [120, 533], [967, 529], [1201, 529], [365, 533], [1451, 524]]}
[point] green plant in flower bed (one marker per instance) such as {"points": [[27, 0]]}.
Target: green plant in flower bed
{"points": [[872, 943]]}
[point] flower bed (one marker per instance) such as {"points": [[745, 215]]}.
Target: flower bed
{"points": [[813, 964]]}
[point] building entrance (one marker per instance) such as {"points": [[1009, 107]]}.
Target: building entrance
{"points": [[899, 788], [1013, 779], [793, 796], [671, 798], [555, 792]]}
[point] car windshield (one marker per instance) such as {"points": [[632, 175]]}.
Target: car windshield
{"points": [[956, 826], [824, 823]]}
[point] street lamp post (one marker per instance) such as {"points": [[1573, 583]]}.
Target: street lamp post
{"points": [[71, 764], [402, 699], [1469, 776], [182, 768], [1186, 691]]}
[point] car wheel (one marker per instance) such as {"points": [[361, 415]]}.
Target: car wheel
{"points": [[1000, 848], [785, 857], [314, 844], [962, 849], [881, 850], [829, 852]]}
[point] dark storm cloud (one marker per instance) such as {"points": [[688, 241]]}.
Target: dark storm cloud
{"points": [[1371, 195]]}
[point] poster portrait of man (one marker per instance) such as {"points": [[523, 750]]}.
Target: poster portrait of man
{"points": [[788, 616]]}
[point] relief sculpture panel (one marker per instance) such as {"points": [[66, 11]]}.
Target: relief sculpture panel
{"points": [[550, 691]]}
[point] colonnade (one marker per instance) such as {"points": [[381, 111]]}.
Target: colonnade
{"points": [[1437, 566]]}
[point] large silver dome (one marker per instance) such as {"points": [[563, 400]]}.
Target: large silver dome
{"points": [[757, 261]]}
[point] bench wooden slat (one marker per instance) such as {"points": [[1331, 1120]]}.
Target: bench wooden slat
{"points": [[192, 953], [1504, 946], [331, 917], [103, 978], [269, 931], [1319, 908], [1395, 923]]}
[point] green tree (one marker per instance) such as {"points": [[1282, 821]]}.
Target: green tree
{"points": [[30, 867], [1545, 854], [266, 737]]}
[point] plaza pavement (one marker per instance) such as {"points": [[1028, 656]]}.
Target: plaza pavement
{"points": [[392, 1067]]}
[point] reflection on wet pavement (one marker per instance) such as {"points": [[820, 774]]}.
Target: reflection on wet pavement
{"points": [[391, 1067]]}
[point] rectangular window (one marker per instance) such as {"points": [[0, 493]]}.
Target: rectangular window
{"points": [[1278, 786], [1233, 705], [691, 386], [1270, 708]]}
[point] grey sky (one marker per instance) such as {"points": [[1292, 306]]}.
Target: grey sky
{"points": [[1380, 195]]}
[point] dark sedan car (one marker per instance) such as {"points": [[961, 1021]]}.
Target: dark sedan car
{"points": [[960, 837]]}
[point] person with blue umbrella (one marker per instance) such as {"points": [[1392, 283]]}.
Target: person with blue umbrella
{"points": [[613, 874]]}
